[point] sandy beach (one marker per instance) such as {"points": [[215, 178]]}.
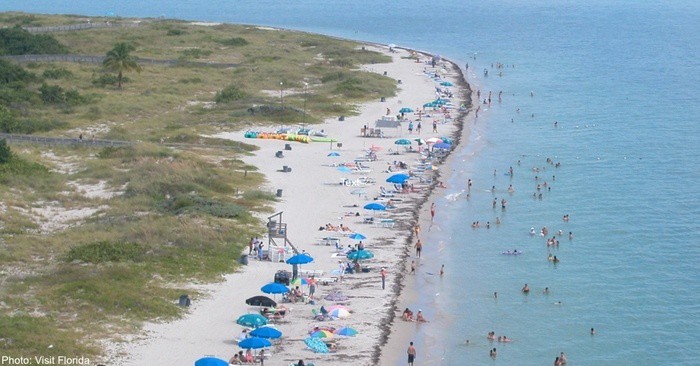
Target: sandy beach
{"points": [[314, 193]]}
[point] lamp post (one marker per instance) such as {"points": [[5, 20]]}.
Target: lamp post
{"points": [[306, 85], [281, 105]]}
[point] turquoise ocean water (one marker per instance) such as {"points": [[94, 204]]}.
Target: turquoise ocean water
{"points": [[622, 81]]}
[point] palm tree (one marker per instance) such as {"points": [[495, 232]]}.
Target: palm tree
{"points": [[119, 60]]}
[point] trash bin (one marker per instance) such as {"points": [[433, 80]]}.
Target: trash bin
{"points": [[382, 99], [287, 146], [279, 193], [284, 168], [384, 73], [184, 300], [340, 144], [244, 259], [341, 118]]}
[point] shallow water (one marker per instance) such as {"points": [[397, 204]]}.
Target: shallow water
{"points": [[621, 80]]}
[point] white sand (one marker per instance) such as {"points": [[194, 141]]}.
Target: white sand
{"points": [[312, 197]]}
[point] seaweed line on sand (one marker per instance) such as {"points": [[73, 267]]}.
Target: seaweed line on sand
{"points": [[387, 322]]}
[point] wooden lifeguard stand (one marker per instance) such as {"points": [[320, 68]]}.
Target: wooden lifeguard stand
{"points": [[277, 231]]}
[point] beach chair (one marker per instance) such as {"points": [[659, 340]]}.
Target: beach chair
{"points": [[318, 315]]}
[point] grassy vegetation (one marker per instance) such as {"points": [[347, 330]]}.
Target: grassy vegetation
{"points": [[176, 215]]}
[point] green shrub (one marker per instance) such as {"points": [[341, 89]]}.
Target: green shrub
{"points": [[17, 41], [106, 251], [57, 73], [52, 94], [234, 42], [5, 152], [229, 94], [11, 73]]}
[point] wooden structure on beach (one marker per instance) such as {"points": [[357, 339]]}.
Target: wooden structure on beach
{"points": [[277, 231]]}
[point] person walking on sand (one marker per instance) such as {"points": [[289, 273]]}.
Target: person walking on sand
{"points": [[413, 267], [383, 274], [419, 248], [442, 270], [432, 211], [411, 354]]}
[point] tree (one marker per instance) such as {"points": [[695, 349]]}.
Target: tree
{"points": [[119, 60], [5, 152]]}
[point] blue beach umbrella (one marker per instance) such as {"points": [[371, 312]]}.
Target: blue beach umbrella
{"points": [[344, 169], [405, 110], [210, 361], [374, 206], [360, 255], [442, 145], [254, 343], [398, 178], [274, 288], [334, 154], [346, 331], [357, 236], [402, 142], [251, 320], [446, 83], [301, 258], [266, 332], [430, 104], [446, 140], [440, 101]]}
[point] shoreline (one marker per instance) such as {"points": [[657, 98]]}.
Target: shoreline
{"points": [[401, 333], [225, 299]]}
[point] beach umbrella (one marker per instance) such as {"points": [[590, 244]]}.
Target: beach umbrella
{"points": [[299, 282], [210, 361], [261, 301], [398, 178], [419, 140], [322, 334], [301, 258], [251, 320], [357, 236], [333, 307], [433, 140], [440, 101], [405, 110], [360, 255], [254, 343], [442, 145], [274, 288], [334, 154], [339, 313], [375, 148], [344, 169], [316, 345], [336, 297], [446, 83], [266, 332], [374, 206], [446, 140], [346, 331], [402, 142], [430, 104]]}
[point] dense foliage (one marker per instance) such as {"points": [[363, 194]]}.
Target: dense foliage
{"points": [[17, 41]]}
